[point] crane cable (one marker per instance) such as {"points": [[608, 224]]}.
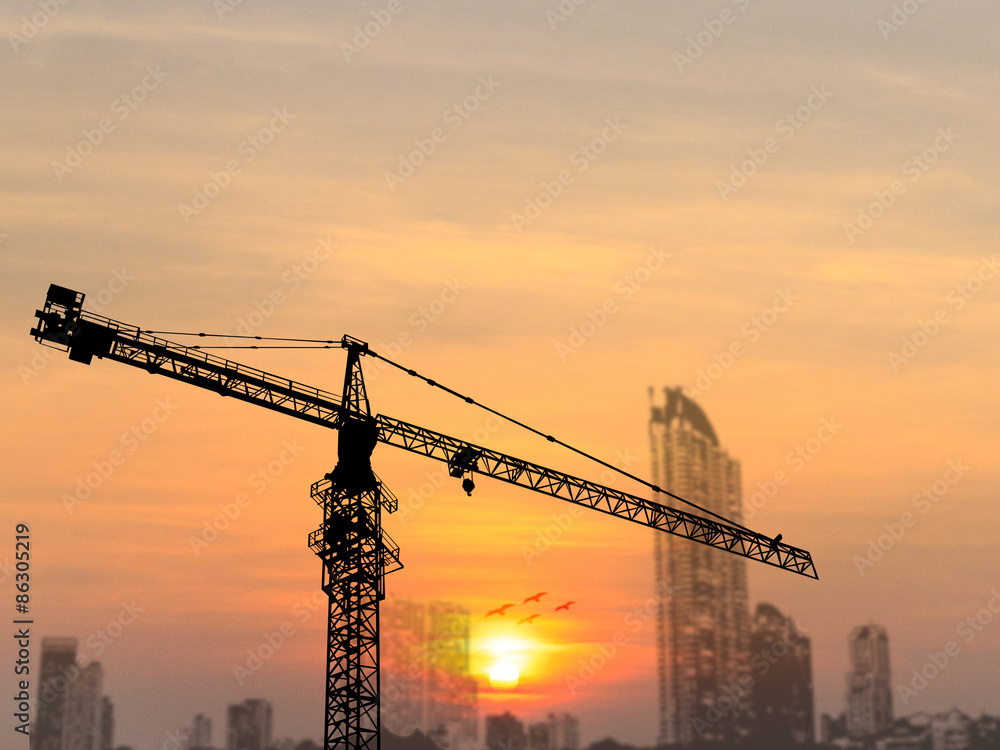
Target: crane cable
{"points": [[467, 399], [551, 439]]}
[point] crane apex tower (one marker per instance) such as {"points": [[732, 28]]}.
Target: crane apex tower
{"points": [[703, 624]]}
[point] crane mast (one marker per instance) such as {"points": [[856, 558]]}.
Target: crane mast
{"points": [[355, 551]]}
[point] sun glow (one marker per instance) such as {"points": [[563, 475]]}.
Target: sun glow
{"points": [[505, 660], [504, 676]]}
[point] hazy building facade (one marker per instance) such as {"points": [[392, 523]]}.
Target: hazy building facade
{"points": [[201, 733], [558, 732], [504, 732], [248, 725], [426, 677], [703, 620], [538, 736], [107, 724], [781, 704], [564, 732], [69, 713], [58, 665], [869, 692]]}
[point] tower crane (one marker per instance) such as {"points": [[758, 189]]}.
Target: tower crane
{"points": [[355, 551]]}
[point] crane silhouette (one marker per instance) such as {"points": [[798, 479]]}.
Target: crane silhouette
{"points": [[355, 551]]}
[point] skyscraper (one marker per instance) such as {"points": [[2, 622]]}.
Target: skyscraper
{"points": [[869, 694], [68, 714], [558, 732], [201, 733], [782, 692], [58, 667], [107, 724], [505, 732], [703, 622], [82, 718], [248, 725], [426, 682], [564, 732]]}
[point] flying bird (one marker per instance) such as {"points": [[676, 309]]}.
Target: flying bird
{"points": [[536, 598], [564, 606], [500, 610], [527, 619]]}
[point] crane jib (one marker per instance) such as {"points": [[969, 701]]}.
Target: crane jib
{"points": [[64, 323]]}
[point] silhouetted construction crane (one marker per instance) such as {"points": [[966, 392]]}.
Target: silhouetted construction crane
{"points": [[356, 552]]}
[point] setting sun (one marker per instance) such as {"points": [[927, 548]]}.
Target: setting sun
{"points": [[503, 676]]}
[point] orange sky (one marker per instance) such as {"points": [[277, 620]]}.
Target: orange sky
{"points": [[562, 311]]}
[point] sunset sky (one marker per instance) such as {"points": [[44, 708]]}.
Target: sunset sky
{"points": [[789, 208]]}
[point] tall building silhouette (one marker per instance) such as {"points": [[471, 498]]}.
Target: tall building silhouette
{"points": [[83, 710], [558, 732], [426, 678], [69, 712], [782, 694], [248, 725], [869, 692], [107, 724], [703, 621], [505, 732], [201, 733], [58, 663], [564, 732]]}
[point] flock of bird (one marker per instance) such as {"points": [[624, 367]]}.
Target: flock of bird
{"points": [[537, 598]]}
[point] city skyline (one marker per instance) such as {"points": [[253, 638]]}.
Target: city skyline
{"points": [[791, 215], [777, 706]]}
